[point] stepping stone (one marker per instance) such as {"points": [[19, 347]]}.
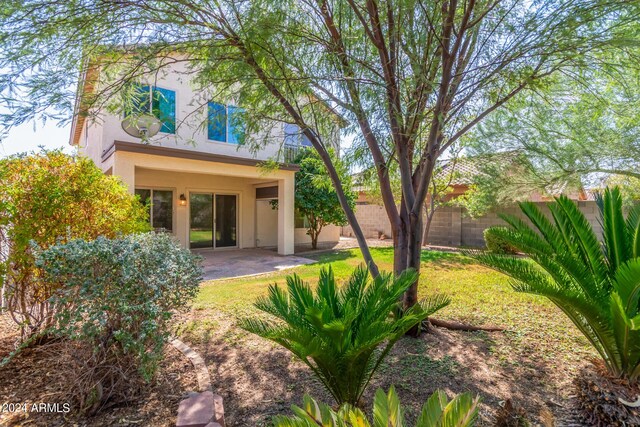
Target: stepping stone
{"points": [[196, 411]]}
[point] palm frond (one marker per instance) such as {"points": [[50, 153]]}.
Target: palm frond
{"points": [[596, 285]]}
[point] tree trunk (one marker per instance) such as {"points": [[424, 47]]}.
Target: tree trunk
{"points": [[314, 240], [414, 250]]}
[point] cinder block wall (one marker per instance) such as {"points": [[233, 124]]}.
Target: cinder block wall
{"points": [[451, 226]]}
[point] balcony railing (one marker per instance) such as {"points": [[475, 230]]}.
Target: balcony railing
{"points": [[291, 153]]}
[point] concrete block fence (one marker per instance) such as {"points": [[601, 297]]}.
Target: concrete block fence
{"points": [[451, 226]]}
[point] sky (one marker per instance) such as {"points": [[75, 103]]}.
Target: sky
{"points": [[29, 136]]}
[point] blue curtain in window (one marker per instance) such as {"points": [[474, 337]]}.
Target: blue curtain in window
{"points": [[236, 125], [164, 107], [217, 122]]}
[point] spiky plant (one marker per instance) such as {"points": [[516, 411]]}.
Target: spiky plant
{"points": [[438, 411], [337, 331], [597, 285]]}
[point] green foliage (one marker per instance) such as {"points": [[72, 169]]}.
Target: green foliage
{"points": [[580, 123], [597, 285], [315, 196], [497, 180], [497, 244], [438, 411], [51, 197], [118, 295], [341, 334]]}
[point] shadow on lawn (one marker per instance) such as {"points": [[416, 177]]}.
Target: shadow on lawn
{"points": [[259, 380], [385, 254], [460, 362]]}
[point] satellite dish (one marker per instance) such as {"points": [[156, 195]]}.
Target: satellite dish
{"points": [[141, 126]]}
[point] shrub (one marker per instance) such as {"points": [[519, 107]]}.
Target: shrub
{"points": [[117, 296], [497, 244], [47, 198], [596, 284], [438, 411], [336, 332]]}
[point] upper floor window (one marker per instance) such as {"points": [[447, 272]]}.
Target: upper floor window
{"points": [[294, 137], [225, 123], [163, 104]]}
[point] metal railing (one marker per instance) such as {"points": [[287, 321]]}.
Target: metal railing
{"points": [[291, 153]]}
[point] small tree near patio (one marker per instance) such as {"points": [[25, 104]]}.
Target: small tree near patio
{"points": [[48, 198], [316, 197]]}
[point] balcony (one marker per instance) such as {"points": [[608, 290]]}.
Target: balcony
{"points": [[291, 153]]}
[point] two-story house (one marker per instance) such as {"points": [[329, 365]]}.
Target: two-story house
{"points": [[201, 184]]}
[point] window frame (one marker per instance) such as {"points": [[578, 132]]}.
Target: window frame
{"points": [[173, 205], [298, 136], [228, 128], [175, 105]]}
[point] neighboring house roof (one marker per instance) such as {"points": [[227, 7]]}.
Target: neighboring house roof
{"points": [[465, 169]]}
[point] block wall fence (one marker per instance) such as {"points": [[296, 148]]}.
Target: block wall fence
{"points": [[451, 226]]}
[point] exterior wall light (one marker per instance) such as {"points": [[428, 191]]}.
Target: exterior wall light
{"points": [[183, 200]]}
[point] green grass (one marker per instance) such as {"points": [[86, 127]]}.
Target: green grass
{"points": [[478, 296], [471, 286]]}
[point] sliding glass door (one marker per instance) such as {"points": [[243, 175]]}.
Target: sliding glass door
{"points": [[226, 218], [201, 220], [213, 220]]}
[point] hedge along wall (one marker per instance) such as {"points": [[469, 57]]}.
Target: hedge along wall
{"points": [[450, 226]]}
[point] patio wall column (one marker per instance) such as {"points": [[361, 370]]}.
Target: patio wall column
{"points": [[126, 170], [286, 226]]}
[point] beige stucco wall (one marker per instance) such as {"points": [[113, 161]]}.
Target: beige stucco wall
{"points": [[184, 183], [267, 228], [329, 234], [451, 226], [102, 129], [186, 175]]}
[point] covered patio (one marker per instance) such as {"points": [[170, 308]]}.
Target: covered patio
{"points": [[246, 262]]}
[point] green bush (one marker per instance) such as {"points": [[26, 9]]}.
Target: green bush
{"points": [[117, 296], [338, 332], [48, 198], [438, 411], [596, 284], [497, 244]]}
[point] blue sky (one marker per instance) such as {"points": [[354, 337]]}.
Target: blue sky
{"points": [[29, 136]]}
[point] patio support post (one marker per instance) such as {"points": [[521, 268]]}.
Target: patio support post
{"points": [[126, 170], [286, 226]]}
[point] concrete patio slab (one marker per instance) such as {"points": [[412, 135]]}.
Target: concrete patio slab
{"points": [[226, 264]]}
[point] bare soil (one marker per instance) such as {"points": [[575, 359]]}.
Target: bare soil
{"points": [[258, 379], [34, 377]]}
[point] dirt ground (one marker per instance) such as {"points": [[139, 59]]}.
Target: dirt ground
{"points": [[34, 376], [258, 379]]}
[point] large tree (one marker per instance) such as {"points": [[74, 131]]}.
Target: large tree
{"points": [[409, 77], [581, 126]]}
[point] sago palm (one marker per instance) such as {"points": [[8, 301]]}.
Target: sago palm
{"points": [[596, 284], [438, 411], [337, 331]]}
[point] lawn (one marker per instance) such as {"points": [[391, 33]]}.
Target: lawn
{"points": [[532, 362]]}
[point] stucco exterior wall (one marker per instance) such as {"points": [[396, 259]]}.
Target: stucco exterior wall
{"points": [[329, 234], [101, 131], [183, 183], [451, 226]]}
